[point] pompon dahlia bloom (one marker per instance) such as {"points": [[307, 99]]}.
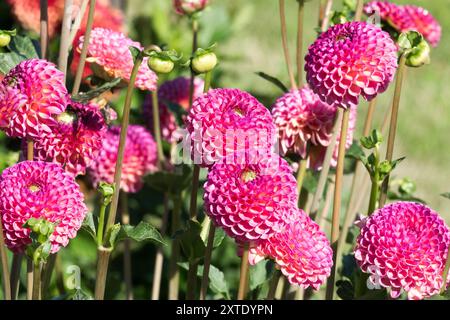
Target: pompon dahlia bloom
{"points": [[189, 6], [249, 198], [28, 14], [302, 251], [140, 158], [351, 60], [74, 140], [110, 56], [41, 95], [224, 121], [403, 246], [406, 18], [34, 189], [174, 91]]}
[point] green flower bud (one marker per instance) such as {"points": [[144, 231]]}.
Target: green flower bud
{"points": [[203, 63], [416, 49], [5, 39], [160, 65]]}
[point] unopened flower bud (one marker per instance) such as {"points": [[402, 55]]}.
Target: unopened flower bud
{"points": [[204, 62], [5, 39]]}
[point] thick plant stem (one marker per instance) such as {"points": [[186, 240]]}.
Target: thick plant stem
{"points": [[103, 255], [315, 204], [301, 175], [29, 279], [207, 263], [84, 49], [157, 127], [15, 274], [301, 7], [321, 13], [102, 262], [65, 36], [127, 268], [30, 150], [174, 273], [243, 280], [159, 259], [321, 218], [285, 44], [194, 192], [77, 23], [337, 202], [192, 280], [101, 224], [194, 48], [445, 272], [47, 271], [5, 267], [36, 295], [326, 15], [393, 124], [359, 10], [273, 285], [375, 184], [44, 28]]}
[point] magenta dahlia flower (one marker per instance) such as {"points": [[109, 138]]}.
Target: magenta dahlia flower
{"points": [[403, 246], [110, 57], [351, 60], [174, 91], [188, 7], [140, 158], [225, 121], [41, 96], [74, 140], [301, 251], [34, 189], [406, 18], [249, 197]]}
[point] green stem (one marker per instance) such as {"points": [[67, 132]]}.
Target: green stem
{"points": [[29, 279], [375, 184], [359, 10], [36, 295], [103, 255], [127, 267], [174, 273], [445, 272], [207, 263], [157, 127], [301, 175], [15, 274], [393, 124], [326, 15], [65, 37], [337, 202], [301, 6], [103, 260], [84, 49], [44, 28], [285, 44], [273, 285], [243, 280], [5, 268], [207, 85], [194, 48], [101, 224], [47, 272]]}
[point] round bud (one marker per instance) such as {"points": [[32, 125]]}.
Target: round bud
{"points": [[419, 56], [5, 39], [204, 63], [160, 65]]}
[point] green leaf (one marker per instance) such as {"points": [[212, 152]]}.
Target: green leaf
{"points": [[8, 61], [176, 109], [112, 234], [135, 52], [24, 47], [260, 273], [219, 236], [217, 282], [310, 182], [191, 242], [11, 33], [355, 151], [144, 231], [84, 97], [173, 182], [273, 80], [89, 225], [446, 195], [345, 290]]}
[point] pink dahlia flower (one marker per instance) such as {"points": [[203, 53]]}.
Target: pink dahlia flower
{"points": [[351, 60], [225, 121], [174, 91], [403, 246], [110, 57], [28, 13], [249, 198], [74, 140], [406, 18], [140, 158], [34, 189], [41, 95], [301, 251], [189, 7]]}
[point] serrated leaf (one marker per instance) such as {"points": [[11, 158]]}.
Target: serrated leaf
{"points": [[173, 182], [260, 273], [84, 97], [217, 282], [89, 225], [273, 80], [144, 231]]}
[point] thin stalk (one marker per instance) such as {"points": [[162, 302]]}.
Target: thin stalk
{"points": [[77, 23], [285, 44], [159, 260], [359, 10], [207, 263], [273, 285], [29, 279], [157, 127], [326, 15], [207, 84], [315, 204], [127, 268], [15, 274], [101, 224], [445, 273], [321, 218], [84, 49], [393, 124], [103, 260], [44, 28], [5, 268], [30, 151], [301, 174], [321, 12], [65, 36], [191, 286], [194, 27], [300, 21], [243, 280], [375, 185], [337, 202], [174, 273], [36, 293], [47, 272]]}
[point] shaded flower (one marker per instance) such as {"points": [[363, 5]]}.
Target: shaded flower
{"points": [[406, 18], [110, 57], [40, 96], [225, 121], [249, 197], [74, 140], [301, 251], [189, 6], [34, 189], [139, 159], [351, 60], [176, 92], [403, 246]]}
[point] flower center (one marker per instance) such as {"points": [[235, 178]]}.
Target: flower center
{"points": [[248, 175], [67, 117], [342, 37], [34, 188], [238, 111]]}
